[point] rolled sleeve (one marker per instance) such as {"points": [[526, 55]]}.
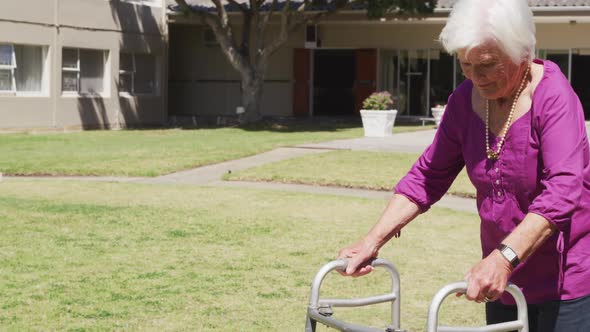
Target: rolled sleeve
{"points": [[564, 153], [434, 172]]}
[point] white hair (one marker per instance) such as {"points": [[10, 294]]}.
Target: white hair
{"points": [[507, 22]]}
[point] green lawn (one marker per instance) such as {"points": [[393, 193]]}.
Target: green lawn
{"points": [[157, 152], [108, 256], [358, 169]]}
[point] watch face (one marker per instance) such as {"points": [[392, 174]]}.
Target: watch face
{"points": [[509, 254]]}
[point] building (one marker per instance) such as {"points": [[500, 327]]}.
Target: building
{"points": [[126, 63], [328, 69], [82, 63]]}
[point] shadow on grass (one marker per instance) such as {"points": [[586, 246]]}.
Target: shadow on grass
{"points": [[304, 124], [293, 124]]}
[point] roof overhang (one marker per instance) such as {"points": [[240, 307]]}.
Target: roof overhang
{"points": [[542, 15]]}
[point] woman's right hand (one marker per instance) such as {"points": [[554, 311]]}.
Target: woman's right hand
{"points": [[359, 256]]}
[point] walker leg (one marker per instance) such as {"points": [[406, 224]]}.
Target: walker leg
{"points": [[310, 325]]}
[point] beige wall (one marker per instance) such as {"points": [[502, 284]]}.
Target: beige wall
{"points": [[395, 36], [22, 10], [563, 36], [112, 26]]}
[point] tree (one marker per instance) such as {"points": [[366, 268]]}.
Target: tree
{"points": [[250, 54]]}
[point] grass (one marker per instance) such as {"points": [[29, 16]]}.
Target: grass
{"points": [[156, 152], [83, 256], [357, 169]]}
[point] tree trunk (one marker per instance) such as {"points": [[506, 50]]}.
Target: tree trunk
{"points": [[251, 89]]}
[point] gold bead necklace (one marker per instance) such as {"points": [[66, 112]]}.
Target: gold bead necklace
{"points": [[494, 155]]}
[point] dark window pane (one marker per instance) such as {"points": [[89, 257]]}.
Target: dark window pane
{"points": [[125, 83], [5, 80], [126, 62], [70, 58], [145, 74], [561, 58], [69, 81], [29, 71], [5, 55], [91, 71]]}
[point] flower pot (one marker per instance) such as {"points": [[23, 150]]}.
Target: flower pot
{"points": [[378, 123], [437, 113]]}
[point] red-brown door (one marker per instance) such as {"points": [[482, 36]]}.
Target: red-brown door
{"points": [[366, 76], [301, 74]]}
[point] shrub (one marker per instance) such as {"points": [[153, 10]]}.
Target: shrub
{"points": [[378, 101]]}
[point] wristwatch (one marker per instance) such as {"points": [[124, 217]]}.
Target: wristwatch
{"points": [[509, 254]]}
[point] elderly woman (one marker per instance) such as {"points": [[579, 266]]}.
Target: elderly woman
{"points": [[518, 128]]}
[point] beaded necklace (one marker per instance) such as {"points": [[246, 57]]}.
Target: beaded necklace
{"points": [[491, 154]]}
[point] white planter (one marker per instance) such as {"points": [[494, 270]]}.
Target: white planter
{"points": [[437, 113], [378, 123]]}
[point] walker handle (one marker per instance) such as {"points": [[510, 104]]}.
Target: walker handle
{"points": [[314, 313], [521, 324]]}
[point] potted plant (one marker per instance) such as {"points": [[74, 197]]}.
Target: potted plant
{"points": [[378, 115], [437, 112]]}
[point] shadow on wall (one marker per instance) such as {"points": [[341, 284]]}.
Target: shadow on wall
{"points": [[93, 112], [141, 33]]}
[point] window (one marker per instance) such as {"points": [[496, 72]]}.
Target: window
{"points": [[137, 73], [22, 68], [83, 71]]}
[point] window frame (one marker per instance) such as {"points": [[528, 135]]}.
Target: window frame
{"points": [[68, 69], [132, 73], [11, 68], [105, 77], [44, 92]]}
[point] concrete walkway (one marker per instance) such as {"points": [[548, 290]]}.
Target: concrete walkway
{"points": [[404, 142], [212, 174]]}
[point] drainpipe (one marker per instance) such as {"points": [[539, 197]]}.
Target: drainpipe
{"points": [[165, 63], [53, 82]]}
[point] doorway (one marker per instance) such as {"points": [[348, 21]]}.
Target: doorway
{"points": [[413, 82], [333, 82], [418, 79], [405, 75], [441, 77]]}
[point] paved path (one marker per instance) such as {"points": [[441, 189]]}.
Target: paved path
{"points": [[212, 174], [403, 142]]}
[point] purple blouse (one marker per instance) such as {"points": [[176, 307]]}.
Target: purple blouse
{"points": [[543, 168]]}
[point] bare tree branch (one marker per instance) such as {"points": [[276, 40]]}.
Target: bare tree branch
{"points": [[221, 12], [263, 23], [223, 33]]}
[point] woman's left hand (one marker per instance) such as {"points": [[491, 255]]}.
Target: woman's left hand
{"points": [[486, 281]]}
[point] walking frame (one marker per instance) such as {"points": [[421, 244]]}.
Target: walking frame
{"points": [[320, 309]]}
